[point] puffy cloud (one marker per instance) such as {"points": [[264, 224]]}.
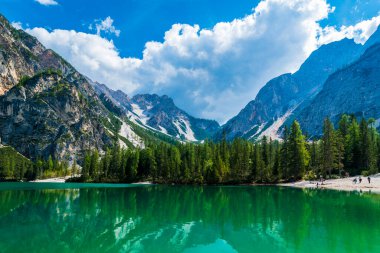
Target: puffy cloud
{"points": [[360, 32], [211, 73], [47, 2], [106, 26], [92, 55]]}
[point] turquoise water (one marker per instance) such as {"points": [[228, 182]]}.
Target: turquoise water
{"points": [[38, 217]]}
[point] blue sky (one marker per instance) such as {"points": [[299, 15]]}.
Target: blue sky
{"points": [[139, 20], [210, 64], [146, 20]]}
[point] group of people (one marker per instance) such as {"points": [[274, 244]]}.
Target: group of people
{"points": [[355, 180], [321, 180], [359, 180]]}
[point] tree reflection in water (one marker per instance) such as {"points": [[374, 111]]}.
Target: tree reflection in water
{"points": [[187, 218]]}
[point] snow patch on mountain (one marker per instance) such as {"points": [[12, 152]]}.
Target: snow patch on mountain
{"points": [[140, 113], [184, 129], [127, 132], [163, 130]]}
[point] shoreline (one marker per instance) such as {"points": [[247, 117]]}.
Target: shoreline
{"points": [[63, 180], [53, 180], [341, 184]]}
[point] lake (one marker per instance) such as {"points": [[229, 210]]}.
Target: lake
{"points": [[43, 217]]}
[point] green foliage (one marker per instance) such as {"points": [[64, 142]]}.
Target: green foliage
{"points": [[60, 89], [298, 155], [352, 148], [112, 123], [151, 137], [310, 175], [110, 105], [23, 81], [14, 166], [242, 161]]}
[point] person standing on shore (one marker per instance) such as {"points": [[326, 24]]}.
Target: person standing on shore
{"points": [[369, 180]]}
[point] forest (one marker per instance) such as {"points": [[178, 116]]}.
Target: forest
{"points": [[350, 149]]}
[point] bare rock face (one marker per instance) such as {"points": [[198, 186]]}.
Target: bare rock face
{"points": [[50, 115], [22, 55], [354, 89], [46, 106]]}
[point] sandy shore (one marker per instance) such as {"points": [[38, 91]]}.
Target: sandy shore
{"points": [[343, 184], [52, 180], [63, 179], [145, 182]]}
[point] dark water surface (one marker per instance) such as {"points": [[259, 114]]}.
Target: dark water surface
{"points": [[38, 217]]}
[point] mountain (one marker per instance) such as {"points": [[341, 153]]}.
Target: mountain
{"points": [[158, 113], [284, 97], [47, 108], [22, 55], [354, 89]]}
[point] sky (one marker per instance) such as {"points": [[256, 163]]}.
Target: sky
{"points": [[211, 57]]}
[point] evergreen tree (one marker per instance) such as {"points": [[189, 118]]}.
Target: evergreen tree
{"points": [[353, 147], [329, 148], [298, 154], [86, 166], [94, 164], [74, 168]]}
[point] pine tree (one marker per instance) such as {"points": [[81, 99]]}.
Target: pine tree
{"points": [[86, 166], [50, 163], [284, 155], [94, 164], [74, 168], [259, 165], [298, 155], [373, 149], [329, 148], [353, 147]]}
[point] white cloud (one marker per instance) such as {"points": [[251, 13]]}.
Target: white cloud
{"points": [[210, 73], [360, 32], [106, 26], [47, 2]]}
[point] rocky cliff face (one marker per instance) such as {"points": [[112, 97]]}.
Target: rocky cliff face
{"points": [[22, 55], [284, 97], [49, 114], [354, 89], [47, 107], [159, 113]]}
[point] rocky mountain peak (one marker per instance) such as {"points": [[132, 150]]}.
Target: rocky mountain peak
{"points": [[283, 97], [23, 55], [354, 89]]}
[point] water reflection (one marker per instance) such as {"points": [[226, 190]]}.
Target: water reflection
{"points": [[188, 219]]}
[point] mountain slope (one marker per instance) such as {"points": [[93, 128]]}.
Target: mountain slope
{"points": [[352, 90], [158, 113], [22, 55], [285, 96], [47, 107]]}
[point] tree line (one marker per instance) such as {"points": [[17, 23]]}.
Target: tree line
{"points": [[351, 149], [14, 166]]}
